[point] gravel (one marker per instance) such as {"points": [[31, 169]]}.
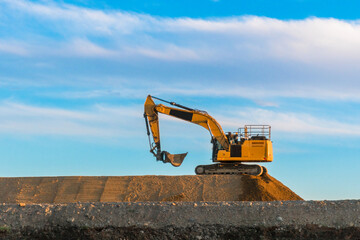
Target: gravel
{"points": [[182, 220]]}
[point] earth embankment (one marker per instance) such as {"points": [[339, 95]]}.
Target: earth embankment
{"points": [[143, 188]]}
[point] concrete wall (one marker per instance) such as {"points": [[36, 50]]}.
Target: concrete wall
{"points": [[182, 220]]}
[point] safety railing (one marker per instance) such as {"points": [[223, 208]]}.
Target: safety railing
{"points": [[255, 131]]}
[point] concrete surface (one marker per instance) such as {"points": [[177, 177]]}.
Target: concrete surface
{"points": [[182, 220]]}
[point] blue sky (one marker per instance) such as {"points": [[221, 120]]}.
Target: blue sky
{"points": [[74, 76]]}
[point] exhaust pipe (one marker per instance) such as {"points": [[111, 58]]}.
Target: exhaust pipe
{"points": [[175, 159]]}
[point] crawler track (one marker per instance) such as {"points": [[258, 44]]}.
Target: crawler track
{"points": [[230, 169]]}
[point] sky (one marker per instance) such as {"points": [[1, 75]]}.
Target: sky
{"points": [[74, 76]]}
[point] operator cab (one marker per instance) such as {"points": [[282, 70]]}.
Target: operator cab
{"points": [[249, 136]]}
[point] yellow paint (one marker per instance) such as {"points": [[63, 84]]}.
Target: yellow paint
{"points": [[251, 151]]}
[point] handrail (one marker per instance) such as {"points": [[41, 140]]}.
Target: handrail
{"points": [[255, 130]]}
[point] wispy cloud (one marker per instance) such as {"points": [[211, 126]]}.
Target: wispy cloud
{"points": [[262, 96], [290, 122], [170, 52], [13, 47], [312, 40], [301, 58], [85, 48], [263, 59], [99, 121], [120, 122], [86, 20]]}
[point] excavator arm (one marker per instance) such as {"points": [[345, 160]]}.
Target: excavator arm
{"points": [[198, 117]]}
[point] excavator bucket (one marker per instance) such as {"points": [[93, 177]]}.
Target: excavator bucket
{"points": [[175, 159]]}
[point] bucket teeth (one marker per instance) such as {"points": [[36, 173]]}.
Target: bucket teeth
{"points": [[175, 159]]}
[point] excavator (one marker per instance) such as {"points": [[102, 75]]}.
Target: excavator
{"points": [[231, 152]]}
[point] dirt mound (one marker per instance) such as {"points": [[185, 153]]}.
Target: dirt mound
{"points": [[143, 188]]}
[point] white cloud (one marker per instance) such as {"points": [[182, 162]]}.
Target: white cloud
{"points": [[263, 103], [170, 52], [13, 47], [290, 122], [87, 20], [85, 48], [314, 58], [99, 121], [123, 121], [312, 40], [263, 97]]}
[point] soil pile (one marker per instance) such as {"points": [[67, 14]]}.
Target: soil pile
{"points": [[143, 188]]}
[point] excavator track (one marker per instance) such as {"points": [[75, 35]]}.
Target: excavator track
{"points": [[230, 169]]}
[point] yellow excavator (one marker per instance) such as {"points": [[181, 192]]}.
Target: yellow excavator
{"points": [[249, 144]]}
